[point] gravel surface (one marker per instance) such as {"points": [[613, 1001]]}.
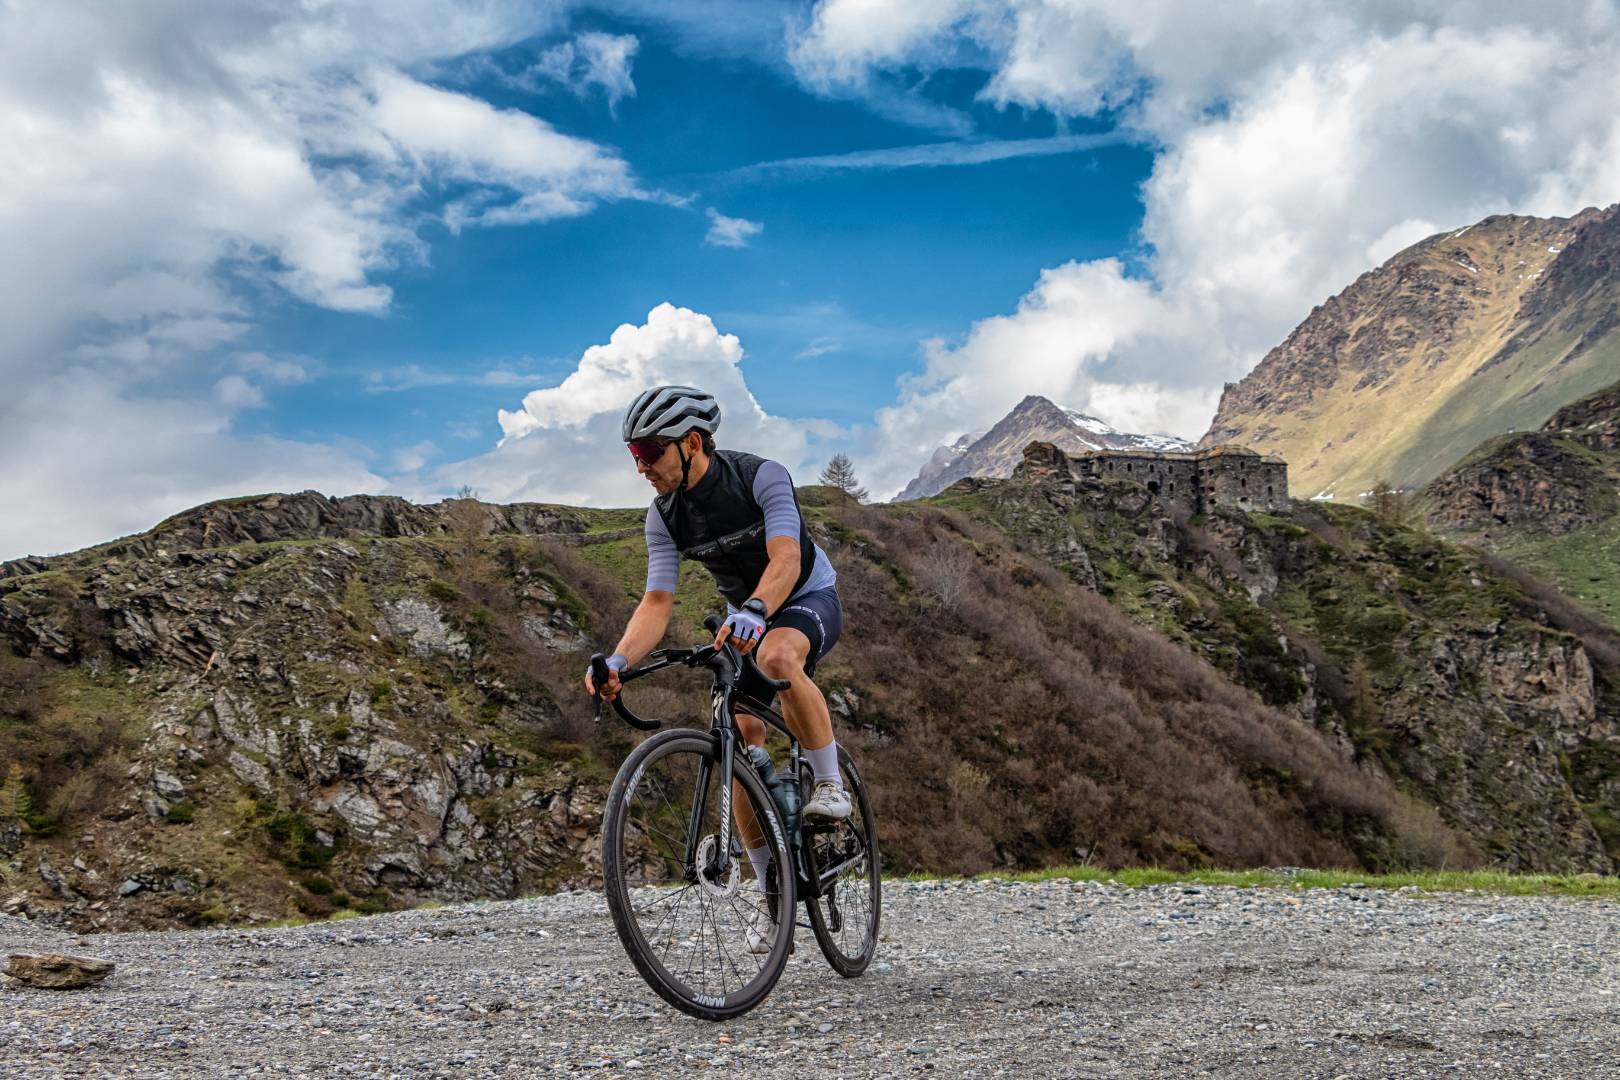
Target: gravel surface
{"points": [[973, 979]]}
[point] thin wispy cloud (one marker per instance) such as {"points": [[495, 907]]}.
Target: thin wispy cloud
{"points": [[416, 377], [732, 232], [942, 154], [819, 347]]}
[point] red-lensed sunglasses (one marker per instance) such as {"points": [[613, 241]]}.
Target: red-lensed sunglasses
{"points": [[648, 451]]}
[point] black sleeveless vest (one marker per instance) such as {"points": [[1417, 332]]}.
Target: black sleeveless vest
{"points": [[719, 524]]}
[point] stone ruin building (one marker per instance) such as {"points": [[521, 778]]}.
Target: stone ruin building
{"points": [[1230, 476]]}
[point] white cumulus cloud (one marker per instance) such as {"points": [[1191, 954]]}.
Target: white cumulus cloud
{"points": [[169, 168], [565, 443]]}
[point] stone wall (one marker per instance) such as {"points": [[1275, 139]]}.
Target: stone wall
{"points": [[1231, 476]]}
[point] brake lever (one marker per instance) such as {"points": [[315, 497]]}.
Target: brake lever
{"points": [[599, 676]]}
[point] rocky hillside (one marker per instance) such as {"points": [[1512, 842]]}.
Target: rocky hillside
{"points": [[1472, 687], [996, 453], [1464, 336], [296, 704], [1548, 499]]}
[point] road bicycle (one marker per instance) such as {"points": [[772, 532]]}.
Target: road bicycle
{"points": [[678, 880]]}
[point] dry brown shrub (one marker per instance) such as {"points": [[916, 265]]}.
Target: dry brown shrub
{"points": [[1423, 841], [1093, 736]]}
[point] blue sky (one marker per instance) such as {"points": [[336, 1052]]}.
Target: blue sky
{"points": [[406, 245], [853, 268]]}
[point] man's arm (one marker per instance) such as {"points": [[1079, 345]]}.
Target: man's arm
{"points": [[651, 618], [780, 573], [773, 490], [647, 626]]}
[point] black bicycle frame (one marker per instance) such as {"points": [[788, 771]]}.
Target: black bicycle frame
{"points": [[727, 665]]}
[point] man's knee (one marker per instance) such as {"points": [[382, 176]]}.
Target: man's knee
{"points": [[779, 659]]}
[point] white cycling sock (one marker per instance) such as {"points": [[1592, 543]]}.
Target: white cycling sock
{"points": [[825, 763], [761, 858]]}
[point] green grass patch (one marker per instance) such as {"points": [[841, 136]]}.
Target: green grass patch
{"points": [[1584, 564], [301, 920], [1272, 523], [1485, 881]]}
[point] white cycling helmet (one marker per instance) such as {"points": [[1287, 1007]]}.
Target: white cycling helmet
{"points": [[669, 412]]}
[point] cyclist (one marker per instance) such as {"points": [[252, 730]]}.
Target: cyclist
{"points": [[737, 515]]}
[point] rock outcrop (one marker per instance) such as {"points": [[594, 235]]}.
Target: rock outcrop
{"points": [[57, 971], [1556, 480]]}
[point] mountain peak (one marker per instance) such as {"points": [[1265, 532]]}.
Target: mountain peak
{"points": [[1034, 419]]}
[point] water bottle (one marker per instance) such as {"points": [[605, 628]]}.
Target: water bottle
{"points": [[784, 792], [789, 802]]}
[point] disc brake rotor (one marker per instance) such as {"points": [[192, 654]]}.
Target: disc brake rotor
{"points": [[723, 888]]}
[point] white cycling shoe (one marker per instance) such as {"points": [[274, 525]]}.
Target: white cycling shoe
{"points": [[829, 800], [761, 933]]}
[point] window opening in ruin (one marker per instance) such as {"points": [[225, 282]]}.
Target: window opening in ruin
{"points": [[1153, 486], [1244, 481]]}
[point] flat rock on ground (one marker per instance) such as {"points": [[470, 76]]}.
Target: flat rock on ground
{"points": [[973, 979], [56, 971]]}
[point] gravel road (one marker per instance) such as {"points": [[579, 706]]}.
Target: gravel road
{"points": [[973, 979]]}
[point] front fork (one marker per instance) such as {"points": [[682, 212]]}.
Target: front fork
{"points": [[726, 735]]}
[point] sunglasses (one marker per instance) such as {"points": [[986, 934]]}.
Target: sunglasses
{"points": [[648, 451]]}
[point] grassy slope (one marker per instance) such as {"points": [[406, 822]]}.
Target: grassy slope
{"points": [[1584, 564], [1519, 395], [1383, 419], [1364, 598]]}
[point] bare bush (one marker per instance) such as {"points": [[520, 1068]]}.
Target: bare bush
{"points": [[1095, 737], [946, 570], [1425, 842]]}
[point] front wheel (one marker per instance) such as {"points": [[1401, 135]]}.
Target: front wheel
{"points": [[845, 917], [688, 925]]}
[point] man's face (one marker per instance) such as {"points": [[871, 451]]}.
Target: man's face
{"points": [[664, 473]]}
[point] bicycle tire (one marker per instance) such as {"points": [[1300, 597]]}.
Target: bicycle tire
{"points": [[831, 938], [617, 823]]}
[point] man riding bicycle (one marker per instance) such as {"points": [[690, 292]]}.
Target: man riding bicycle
{"points": [[737, 515]]}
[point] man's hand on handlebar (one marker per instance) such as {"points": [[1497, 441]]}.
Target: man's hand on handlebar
{"points": [[610, 689], [744, 629]]}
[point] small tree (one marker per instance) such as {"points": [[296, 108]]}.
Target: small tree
{"points": [[467, 521], [14, 798], [1392, 504], [840, 473]]}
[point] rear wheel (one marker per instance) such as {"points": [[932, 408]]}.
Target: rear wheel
{"points": [[685, 923], [845, 917]]}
